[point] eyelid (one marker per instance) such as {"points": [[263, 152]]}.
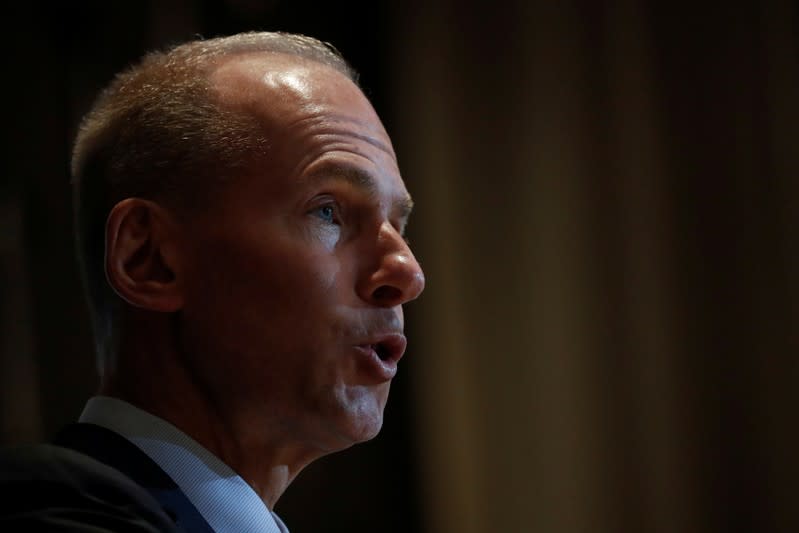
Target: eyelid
{"points": [[326, 200], [399, 223], [323, 200]]}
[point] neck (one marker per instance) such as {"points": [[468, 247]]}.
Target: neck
{"points": [[154, 380]]}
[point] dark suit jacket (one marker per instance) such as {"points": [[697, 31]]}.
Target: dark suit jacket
{"points": [[91, 480]]}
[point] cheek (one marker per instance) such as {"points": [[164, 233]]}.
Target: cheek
{"points": [[264, 291], [326, 236]]}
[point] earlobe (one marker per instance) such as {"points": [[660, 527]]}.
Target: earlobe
{"points": [[141, 257]]}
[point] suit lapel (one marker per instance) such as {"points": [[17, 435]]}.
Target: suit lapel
{"points": [[116, 451]]}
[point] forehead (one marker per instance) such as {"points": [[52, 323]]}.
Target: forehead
{"points": [[309, 112], [282, 90]]}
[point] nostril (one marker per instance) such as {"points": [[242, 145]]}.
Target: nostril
{"points": [[386, 293]]}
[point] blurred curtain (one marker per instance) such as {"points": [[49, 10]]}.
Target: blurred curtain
{"points": [[607, 217]]}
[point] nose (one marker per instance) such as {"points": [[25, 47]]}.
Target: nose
{"points": [[396, 277]]}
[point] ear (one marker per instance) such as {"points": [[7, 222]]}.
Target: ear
{"points": [[141, 255]]}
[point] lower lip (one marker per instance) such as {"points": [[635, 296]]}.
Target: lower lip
{"points": [[372, 364]]}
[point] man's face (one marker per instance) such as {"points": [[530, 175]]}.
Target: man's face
{"points": [[295, 279]]}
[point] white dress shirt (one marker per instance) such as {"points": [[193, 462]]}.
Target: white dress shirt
{"points": [[222, 497]]}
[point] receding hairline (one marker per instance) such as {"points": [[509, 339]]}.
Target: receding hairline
{"points": [[290, 44], [208, 56], [223, 60], [192, 63], [231, 72]]}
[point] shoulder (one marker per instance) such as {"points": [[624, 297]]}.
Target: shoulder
{"points": [[58, 489]]}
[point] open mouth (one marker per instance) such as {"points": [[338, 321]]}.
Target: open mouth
{"points": [[382, 351], [389, 348]]}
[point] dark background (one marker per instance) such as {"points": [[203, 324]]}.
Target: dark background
{"points": [[607, 216]]}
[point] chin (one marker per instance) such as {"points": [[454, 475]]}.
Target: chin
{"points": [[361, 420], [368, 431]]}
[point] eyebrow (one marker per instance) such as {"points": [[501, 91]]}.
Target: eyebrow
{"points": [[362, 180]]}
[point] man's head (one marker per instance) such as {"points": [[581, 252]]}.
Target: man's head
{"points": [[159, 131], [245, 203]]}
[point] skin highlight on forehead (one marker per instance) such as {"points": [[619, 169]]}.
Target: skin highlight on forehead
{"points": [[299, 88]]}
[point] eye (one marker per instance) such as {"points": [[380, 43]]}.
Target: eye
{"points": [[327, 213]]}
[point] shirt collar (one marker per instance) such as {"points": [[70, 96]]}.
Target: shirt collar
{"points": [[220, 495]]}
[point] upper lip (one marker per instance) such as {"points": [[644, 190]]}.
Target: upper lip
{"points": [[389, 346]]}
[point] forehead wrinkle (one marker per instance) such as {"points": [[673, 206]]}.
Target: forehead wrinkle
{"points": [[322, 122]]}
